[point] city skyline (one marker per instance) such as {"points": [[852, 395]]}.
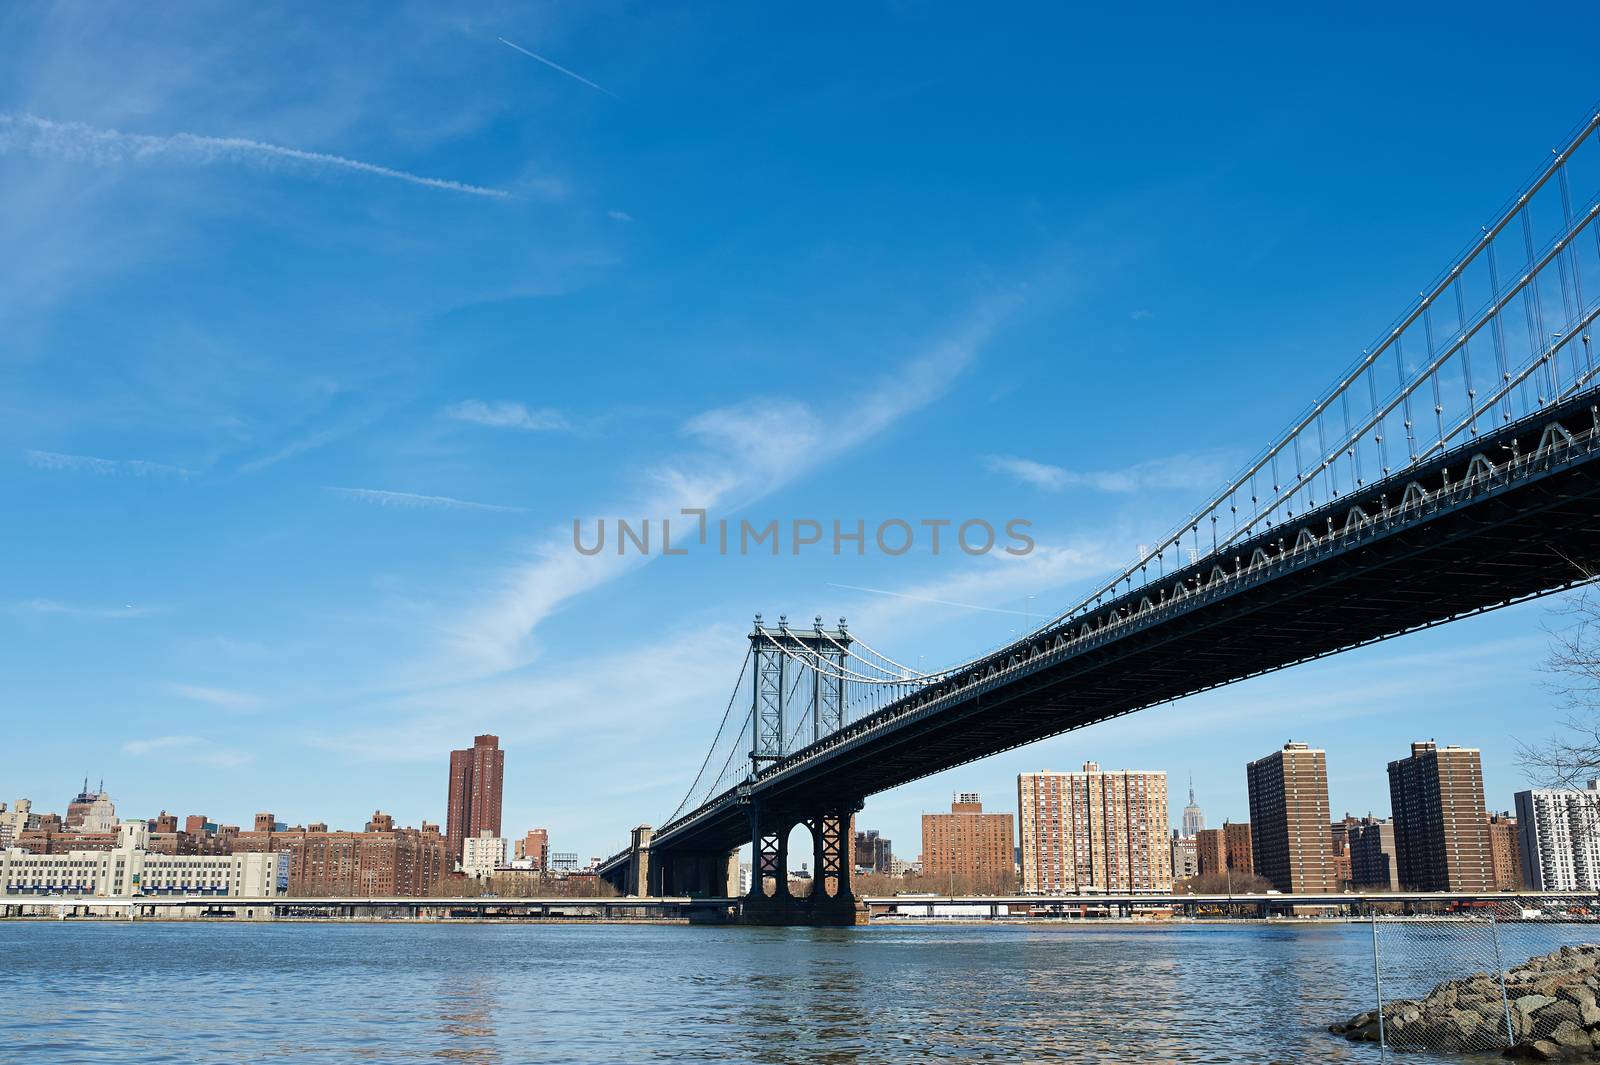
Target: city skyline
{"points": [[306, 390]]}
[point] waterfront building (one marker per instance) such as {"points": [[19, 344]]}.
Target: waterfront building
{"points": [[1094, 830], [1289, 819], [476, 777], [535, 847], [382, 861], [483, 854], [1194, 819], [969, 846], [1372, 857], [1441, 829], [1505, 852], [1559, 832], [1185, 857], [873, 853], [128, 868]]}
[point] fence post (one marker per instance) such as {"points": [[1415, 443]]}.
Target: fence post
{"points": [[1377, 977], [1500, 974]]}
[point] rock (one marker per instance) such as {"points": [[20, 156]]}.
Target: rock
{"points": [[1570, 1035], [1537, 1050]]}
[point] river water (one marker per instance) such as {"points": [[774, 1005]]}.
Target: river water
{"points": [[492, 993]]}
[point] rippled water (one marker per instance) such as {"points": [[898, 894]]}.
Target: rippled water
{"points": [[173, 992]]}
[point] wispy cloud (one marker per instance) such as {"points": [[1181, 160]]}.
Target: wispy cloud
{"points": [[557, 66], [97, 146], [506, 415], [619, 216], [55, 460], [908, 596], [97, 613], [222, 698], [411, 499], [1143, 314], [297, 447], [192, 749], [1178, 471], [744, 452]]}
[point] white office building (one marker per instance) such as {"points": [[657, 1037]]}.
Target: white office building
{"points": [[129, 870], [1560, 835]]}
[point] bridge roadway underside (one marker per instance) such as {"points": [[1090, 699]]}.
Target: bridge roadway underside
{"points": [[1535, 534]]}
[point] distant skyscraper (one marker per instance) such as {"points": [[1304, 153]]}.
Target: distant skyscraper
{"points": [[1193, 818], [1289, 819], [97, 803], [476, 777], [1560, 838], [1372, 857], [1441, 829], [873, 853], [1095, 829]]}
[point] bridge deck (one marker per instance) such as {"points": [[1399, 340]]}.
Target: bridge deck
{"points": [[1457, 547]]}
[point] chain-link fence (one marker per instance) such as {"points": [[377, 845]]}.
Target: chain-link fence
{"points": [[1480, 977]]}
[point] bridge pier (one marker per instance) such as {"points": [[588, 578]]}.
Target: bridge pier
{"points": [[831, 901]]}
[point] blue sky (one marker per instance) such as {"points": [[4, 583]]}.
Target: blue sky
{"points": [[317, 331]]}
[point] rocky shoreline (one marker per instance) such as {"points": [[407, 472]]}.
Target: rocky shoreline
{"points": [[1551, 1000]]}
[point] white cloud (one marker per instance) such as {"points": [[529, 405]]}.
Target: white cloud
{"points": [[1142, 315], [1178, 471], [55, 460], [221, 698], [619, 216], [77, 142], [506, 415], [297, 447], [745, 451], [98, 613], [411, 499], [190, 749]]}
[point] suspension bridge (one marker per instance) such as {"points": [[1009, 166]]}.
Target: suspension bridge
{"points": [[1453, 468]]}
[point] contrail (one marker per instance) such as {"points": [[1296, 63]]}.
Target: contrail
{"points": [[411, 499], [558, 66], [93, 144], [936, 602]]}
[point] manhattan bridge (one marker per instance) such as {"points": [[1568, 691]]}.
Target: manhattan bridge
{"points": [[1452, 469]]}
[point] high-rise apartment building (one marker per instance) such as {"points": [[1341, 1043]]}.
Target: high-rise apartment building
{"points": [[476, 777], [1372, 858], [1560, 838], [1441, 829], [1505, 852], [1289, 819], [968, 848], [1194, 819], [1094, 830]]}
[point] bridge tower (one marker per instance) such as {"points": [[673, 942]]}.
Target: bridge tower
{"points": [[798, 691]]}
